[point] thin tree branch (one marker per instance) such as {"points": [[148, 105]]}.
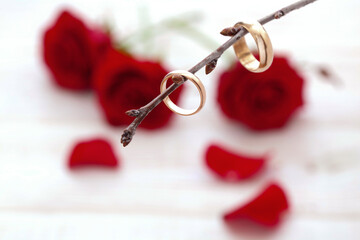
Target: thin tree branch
{"points": [[209, 61]]}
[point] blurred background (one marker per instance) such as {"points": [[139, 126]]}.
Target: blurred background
{"points": [[162, 190]]}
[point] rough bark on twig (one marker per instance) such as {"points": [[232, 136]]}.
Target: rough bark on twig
{"points": [[209, 62]]}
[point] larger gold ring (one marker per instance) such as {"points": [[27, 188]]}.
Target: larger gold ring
{"points": [[193, 79], [264, 46]]}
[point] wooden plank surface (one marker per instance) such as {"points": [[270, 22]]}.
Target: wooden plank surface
{"points": [[162, 190]]}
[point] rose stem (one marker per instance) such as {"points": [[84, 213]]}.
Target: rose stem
{"points": [[211, 59]]}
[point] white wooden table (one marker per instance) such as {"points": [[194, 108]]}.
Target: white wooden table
{"points": [[163, 190]]}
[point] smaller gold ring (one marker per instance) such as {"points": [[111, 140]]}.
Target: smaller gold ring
{"points": [[197, 83], [263, 44]]}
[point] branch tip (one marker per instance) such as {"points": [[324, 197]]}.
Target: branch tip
{"points": [[133, 113], [126, 137], [210, 66], [229, 32], [177, 78]]}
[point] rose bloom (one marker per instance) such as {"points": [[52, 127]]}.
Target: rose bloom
{"points": [[123, 83], [71, 50], [264, 100]]}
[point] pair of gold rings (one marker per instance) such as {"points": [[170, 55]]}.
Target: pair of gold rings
{"points": [[243, 53]]}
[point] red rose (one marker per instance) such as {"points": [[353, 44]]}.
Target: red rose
{"points": [[71, 49], [261, 100], [123, 83]]}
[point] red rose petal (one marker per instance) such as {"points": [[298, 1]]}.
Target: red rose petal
{"points": [[230, 166], [266, 209], [93, 152]]}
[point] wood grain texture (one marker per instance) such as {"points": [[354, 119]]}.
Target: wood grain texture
{"points": [[163, 190]]}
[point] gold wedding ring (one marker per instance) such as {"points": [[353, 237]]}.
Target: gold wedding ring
{"points": [[193, 79], [242, 51]]}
